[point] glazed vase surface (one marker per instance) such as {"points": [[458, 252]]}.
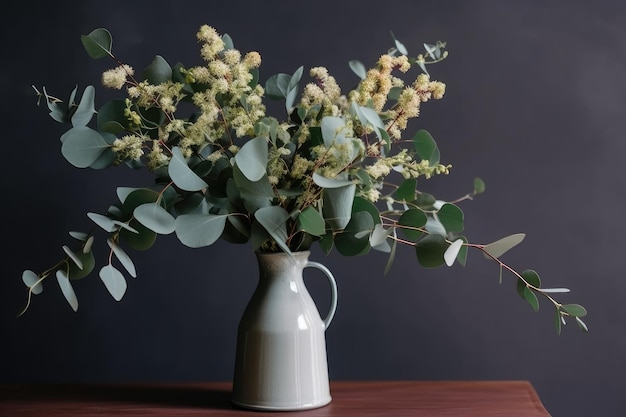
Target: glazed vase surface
{"points": [[281, 346]]}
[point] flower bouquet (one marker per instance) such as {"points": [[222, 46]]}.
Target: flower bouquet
{"points": [[336, 169]]}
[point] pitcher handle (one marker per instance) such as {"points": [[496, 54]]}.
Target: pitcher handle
{"points": [[333, 290]]}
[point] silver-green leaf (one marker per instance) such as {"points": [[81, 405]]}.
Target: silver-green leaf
{"points": [[32, 281], [199, 230], [67, 289], [500, 247], [155, 218], [113, 281], [252, 158], [123, 257], [82, 146], [103, 221], [182, 175]]}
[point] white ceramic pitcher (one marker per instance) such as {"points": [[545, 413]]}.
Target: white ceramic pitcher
{"points": [[281, 346]]}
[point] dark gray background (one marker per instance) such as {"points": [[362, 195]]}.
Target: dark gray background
{"points": [[534, 105]]}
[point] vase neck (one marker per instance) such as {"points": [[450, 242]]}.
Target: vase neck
{"points": [[282, 266]]}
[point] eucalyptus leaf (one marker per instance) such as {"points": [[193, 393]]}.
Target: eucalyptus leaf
{"points": [[273, 219], [123, 257], [82, 146], [501, 246], [450, 255], [295, 78], [479, 186], [291, 99], [82, 236], [87, 264], [252, 158], [332, 127], [32, 281], [531, 298], [142, 240], [354, 240], [114, 281], [379, 235], [337, 182], [158, 72], [361, 204], [310, 220], [104, 222], [410, 221], [358, 68], [406, 190], [86, 108], [434, 226], [111, 117], [182, 175], [575, 310], [255, 194], [155, 218], [462, 255], [58, 110], [199, 230], [338, 205], [558, 321], [370, 118], [532, 278], [451, 217], [430, 250], [73, 257], [555, 290], [124, 225], [378, 239], [392, 253], [98, 43], [277, 86], [132, 198], [426, 147], [399, 45], [67, 289]]}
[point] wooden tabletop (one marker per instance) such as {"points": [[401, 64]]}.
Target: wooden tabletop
{"points": [[354, 399]]}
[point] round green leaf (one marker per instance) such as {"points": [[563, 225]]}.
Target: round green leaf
{"points": [[575, 310], [451, 217], [430, 250], [531, 277], [410, 221], [361, 204], [88, 262], [406, 190], [158, 72], [142, 240], [426, 147], [311, 221], [199, 230], [354, 240], [82, 146], [97, 43]]}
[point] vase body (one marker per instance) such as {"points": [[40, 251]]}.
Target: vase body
{"points": [[281, 346]]}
